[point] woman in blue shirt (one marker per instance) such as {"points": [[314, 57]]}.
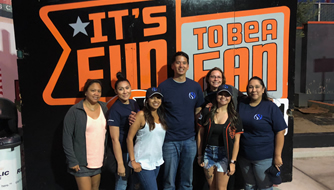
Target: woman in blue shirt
{"points": [[262, 141], [119, 126]]}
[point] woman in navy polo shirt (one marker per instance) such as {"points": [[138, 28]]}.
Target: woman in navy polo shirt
{"points": [[119, 126], [262, 141]]}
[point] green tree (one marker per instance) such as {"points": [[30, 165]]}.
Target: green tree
{"points": [[306, 11]]}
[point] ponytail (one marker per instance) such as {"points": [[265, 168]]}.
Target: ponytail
{"points": [[120, 78]]}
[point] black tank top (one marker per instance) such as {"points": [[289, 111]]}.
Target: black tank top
{"points": [[216, 138]]}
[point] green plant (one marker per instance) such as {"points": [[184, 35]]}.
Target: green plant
{"points": [[306, 11]]}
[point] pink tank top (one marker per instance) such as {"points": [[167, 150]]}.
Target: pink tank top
{"points": [[95, 138]]}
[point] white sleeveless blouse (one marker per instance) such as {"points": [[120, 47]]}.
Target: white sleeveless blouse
{"points": [[148, 147]]}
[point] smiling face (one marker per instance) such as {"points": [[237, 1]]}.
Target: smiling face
{"points": [[93, 93], [123, 90], [215, 80], [180, 66], [255, 90], [223, 98], [154, 102]]}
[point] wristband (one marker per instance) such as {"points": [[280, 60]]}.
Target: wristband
{"points": [[233, 161]]}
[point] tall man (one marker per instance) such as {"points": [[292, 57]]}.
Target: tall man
{"points": [[183, 98]]}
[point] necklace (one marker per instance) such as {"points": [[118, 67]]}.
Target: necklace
{"points": [[91, 109]]}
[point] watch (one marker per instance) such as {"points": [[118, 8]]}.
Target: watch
{"points": [[233, 161]]}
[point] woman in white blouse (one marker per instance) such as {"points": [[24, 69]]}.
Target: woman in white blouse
{"points": [[150, 129]]}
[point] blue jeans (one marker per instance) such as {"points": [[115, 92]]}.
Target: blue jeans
{"points": [[120, 183], [148, 179], [254, 173], [179, 156], [130, 182]]}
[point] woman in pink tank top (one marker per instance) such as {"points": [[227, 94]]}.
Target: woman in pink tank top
{"points": [[84, 137]]}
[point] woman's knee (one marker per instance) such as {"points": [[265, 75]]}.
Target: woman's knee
{"points": [[96, 181], [222, 180], [84, 183]]}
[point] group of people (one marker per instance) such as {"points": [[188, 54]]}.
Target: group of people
{"points": [[179, 124]]}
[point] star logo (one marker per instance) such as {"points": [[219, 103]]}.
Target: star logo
{"points": [[79, 26]]}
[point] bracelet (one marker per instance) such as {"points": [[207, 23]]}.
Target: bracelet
{"points": [[198, 157], [132, 161]]}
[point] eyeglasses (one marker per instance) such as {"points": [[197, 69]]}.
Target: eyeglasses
{"points": [[215, 77]]}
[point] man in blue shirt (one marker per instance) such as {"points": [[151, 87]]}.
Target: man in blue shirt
{"points": [[183, 98]]}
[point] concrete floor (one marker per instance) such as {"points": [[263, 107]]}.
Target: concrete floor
{"points": [[303, 123], [313, 168]]}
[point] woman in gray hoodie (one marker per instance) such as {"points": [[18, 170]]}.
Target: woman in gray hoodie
{"points": [[84, 137]]}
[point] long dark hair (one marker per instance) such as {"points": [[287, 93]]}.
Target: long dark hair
{"points": [[208, 76], [232, 114], [264, 95], [150, 119], [120, 78]]}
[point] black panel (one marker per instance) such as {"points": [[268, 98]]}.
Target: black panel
{"points": [[287, 153], [313, 140], [202, 7]]}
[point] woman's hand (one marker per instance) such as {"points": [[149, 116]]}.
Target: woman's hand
{"points": [[200, 161], [278, 162], [209, 105], [121, 170], [76, 168], [136, 166], [232, 169]]}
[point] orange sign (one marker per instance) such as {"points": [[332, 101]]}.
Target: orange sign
{"points": [[242, 43], [114, 51]]}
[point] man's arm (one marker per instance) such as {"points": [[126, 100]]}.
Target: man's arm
{"points": [[132, 118]]}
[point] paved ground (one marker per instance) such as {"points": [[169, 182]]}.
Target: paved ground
{"points": [[309, 123], [313, 168]]}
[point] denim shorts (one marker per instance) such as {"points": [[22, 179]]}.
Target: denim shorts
{"points": [[215, 156]]}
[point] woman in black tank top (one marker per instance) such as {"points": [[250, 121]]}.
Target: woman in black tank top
{"points": [[218, 139]]}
